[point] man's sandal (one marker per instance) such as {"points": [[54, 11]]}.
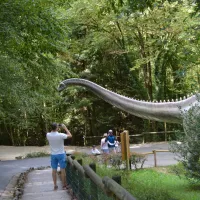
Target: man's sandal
{"points": [[65, 187], [55, 187]]}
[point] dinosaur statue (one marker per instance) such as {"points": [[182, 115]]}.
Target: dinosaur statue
{"points": [[163, 111], [171, 112]]}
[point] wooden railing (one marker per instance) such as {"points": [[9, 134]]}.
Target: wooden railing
{"points": [[143, 134], [154, 153], [98, 188]]}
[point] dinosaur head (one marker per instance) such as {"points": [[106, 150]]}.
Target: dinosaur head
{"points": [[61, 87]]}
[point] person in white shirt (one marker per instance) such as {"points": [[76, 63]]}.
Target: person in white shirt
{"points": [[56, 142], [104, 144], [95, 151]]}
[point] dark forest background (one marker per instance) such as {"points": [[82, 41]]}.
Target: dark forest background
{"points": [[146, 49]]}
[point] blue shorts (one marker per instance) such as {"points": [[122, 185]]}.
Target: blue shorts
{"points": [[59, 158]]}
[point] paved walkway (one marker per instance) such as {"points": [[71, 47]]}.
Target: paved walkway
{"points": [[9, 168], [39, 186]]}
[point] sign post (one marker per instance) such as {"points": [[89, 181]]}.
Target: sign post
{"points": [[125, 149]]}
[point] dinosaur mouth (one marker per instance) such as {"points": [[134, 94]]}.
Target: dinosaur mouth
{"points": [[61, 87]]}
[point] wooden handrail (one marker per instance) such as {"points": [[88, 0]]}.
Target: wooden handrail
{"points": [[151, 152], [107, 185], [137, 135], [70, 160], [79, 167], [94, 177], [117, 189], [162, 150]]}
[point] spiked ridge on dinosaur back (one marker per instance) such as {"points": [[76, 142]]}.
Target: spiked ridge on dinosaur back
{"points": [[163, 111]]}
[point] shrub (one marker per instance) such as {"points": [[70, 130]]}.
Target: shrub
{"points": [[116, 160], [138, 160], [188, 149], [36, 154]]}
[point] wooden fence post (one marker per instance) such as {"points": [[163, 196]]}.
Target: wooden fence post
{"points": [[80, 161], [143, 138], [73, 157], [94, 189], [155, 159], [125, 149], [118, 180], [81, 193], [165, 126]]}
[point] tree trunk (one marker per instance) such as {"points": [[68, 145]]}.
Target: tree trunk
{"points": [[146, 66]]}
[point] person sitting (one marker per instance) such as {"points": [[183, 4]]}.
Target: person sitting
{"points": [[95, 151]]}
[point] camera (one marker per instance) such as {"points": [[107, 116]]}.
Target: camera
{"points": [[59, 125]]}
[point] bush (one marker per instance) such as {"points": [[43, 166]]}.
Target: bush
{"points": [[138, 160], [116, 161], [178, 170], [188, 149], [37, 154]]}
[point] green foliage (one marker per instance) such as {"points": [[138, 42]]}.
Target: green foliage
{"points": [[188, 147], [30, 36], [146, 55], [36, 154], [178, 169], [145, 49], [149, 184], [116, 161], [138, 160]]}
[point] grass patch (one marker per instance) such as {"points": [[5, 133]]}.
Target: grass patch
{"points": [[149, 184], [37, 154], [161, 183], [152, 185]]}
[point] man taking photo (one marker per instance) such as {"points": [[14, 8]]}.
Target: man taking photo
{"points": [[56, 142]]}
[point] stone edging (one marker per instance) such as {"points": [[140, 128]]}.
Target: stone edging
{"points": [[14, 189], [10, 188]]}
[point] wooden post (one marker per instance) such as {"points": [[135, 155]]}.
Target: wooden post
{"points": [[80, 180], [80, 161], [73, 157], [116, 189], [94, 189], [165, 126], [143, 139], [84, 141], [93, 166], [125, 148], [155, 160], [117, 179]]}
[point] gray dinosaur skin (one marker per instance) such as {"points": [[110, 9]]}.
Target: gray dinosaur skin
{"points": [[163, 111]]}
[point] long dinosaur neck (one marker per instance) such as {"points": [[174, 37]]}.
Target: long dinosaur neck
{"points": [[164, 112]]}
